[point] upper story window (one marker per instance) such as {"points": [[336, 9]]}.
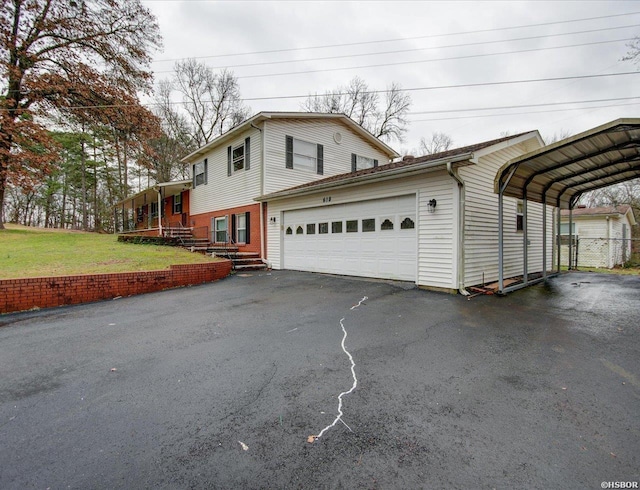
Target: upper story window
{"points": [[238, 157], [304, 155], [358, 162], [200, 173]]}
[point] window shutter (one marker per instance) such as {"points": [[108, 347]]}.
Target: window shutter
{"points": [[375, 163], [247, 153], [228, 161], [206, 171], [289, 148], [320, 159], [233, 228], [194, 175], [354, 165], [247, 220]]}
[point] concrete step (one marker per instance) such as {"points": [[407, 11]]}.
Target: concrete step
{"points": [[254, 267]]}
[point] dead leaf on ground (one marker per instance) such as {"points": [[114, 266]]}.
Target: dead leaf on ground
{"points": [[311, 439], [244, 446]]}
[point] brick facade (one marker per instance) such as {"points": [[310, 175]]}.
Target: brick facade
{"points": [[45, 292], [204, 219]]}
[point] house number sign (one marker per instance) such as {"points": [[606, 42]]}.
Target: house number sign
{"points": [[326, 199]]}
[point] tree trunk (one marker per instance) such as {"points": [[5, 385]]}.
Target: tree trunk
{"points": [[83, 161]]}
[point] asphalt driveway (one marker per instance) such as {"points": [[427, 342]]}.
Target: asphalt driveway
{"points": [[220, 386]]}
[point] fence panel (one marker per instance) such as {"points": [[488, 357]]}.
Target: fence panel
{"points": [[596, 252]]}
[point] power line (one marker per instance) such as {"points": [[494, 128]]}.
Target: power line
{"points": [[398, 63], [522, 106], [462, 85], [503, 114], [430, 36], [411, 89], [381, 53]]}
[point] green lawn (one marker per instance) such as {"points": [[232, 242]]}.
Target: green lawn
{"points": [[36, 252]]}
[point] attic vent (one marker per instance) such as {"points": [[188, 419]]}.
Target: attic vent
{"points": [[337, 137]]}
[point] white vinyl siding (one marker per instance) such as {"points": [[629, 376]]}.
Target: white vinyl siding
{"points": [[336, 156], [434, 231], [481, 224], [223, 191]]}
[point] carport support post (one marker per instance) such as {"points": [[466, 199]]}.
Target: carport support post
{"points": [[544, 235], [558, 242], [525, 247], [500, 241]]}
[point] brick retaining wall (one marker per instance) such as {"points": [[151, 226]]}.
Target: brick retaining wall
{"points": [[44, 292]]}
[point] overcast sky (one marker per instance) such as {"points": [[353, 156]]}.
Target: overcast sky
{"points": [[421, 35]]}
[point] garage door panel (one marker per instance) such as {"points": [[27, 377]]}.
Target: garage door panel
{"points": [[389, 253]]}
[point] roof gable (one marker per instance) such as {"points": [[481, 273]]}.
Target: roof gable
{"points": [[602, 211]]}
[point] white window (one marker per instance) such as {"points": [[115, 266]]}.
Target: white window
{"points": [[177, 204], [220, 230], [154, 209], [199, 173], [520, 215], [363, 163], [305, 155], [241, 228], [237, 157], [564, 228]]}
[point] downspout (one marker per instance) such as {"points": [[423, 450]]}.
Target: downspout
{"points": [[461, 212], [262, 167]]}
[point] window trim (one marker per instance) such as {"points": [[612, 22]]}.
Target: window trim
{"points": [[216, 230], [238, 228], [202, 173], [356, 159], [239, 159], [519, 215], [177, 203], [291, 153]]}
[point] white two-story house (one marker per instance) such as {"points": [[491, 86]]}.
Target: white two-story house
{"points": [[317, 192], [270, 152]]}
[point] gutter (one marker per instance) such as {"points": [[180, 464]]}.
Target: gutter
{"points": [[366, 178], [461, 213]]}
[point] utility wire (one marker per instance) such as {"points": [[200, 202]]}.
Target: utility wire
{"points": [[398, 63], [397, 51], [522, 106], [503, 114], [411, 89], [430, 36], [462, 85]]}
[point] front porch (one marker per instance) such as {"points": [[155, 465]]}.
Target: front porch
{"points": [[161, 210]]}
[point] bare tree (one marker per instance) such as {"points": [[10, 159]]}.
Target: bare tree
{"points": [[633, 54], [211, 100], [437, 143], [563, 134], [363, 106]]}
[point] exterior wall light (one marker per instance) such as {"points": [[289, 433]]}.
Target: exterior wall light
{"points": [[431, 206]]}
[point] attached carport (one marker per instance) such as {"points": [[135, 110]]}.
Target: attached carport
{"points": [[559, 174]]}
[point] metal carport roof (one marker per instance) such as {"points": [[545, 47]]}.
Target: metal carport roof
{"points": [[558, 174]]}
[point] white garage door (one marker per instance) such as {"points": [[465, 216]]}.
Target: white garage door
{"points": [[370, 238]]}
